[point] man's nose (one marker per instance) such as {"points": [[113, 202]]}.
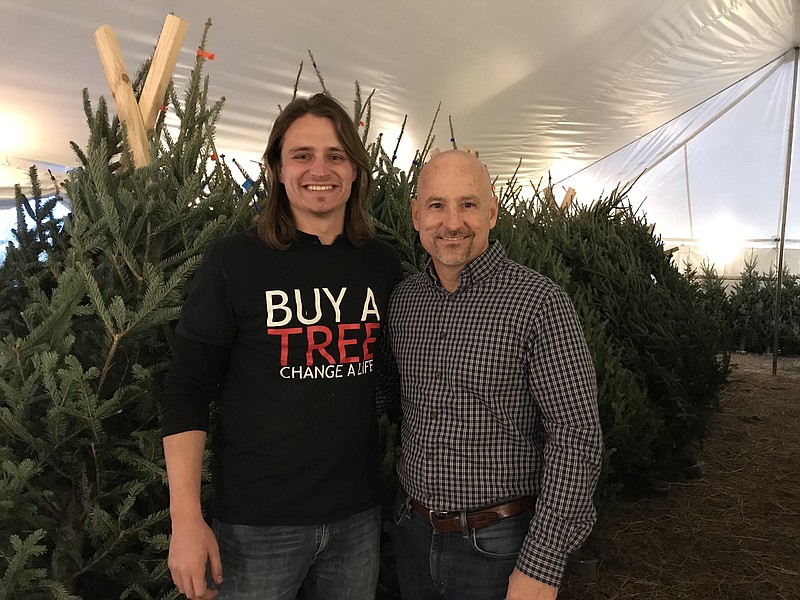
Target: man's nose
{"points": [[318, 167], [452, 218]]}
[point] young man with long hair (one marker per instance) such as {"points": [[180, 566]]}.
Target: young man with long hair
{"points": [[279, 330]]}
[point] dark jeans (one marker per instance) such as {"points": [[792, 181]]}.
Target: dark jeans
{"points": [[335, 561], [432, 565]]}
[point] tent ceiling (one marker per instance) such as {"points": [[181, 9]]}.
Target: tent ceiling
{"points": [[558, 84]]}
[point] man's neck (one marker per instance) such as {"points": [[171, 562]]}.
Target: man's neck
{"points": [[448, 276], [326, 230]]}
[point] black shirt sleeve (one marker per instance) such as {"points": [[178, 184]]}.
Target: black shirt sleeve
{"points": [[201, 350], [194, 380]]}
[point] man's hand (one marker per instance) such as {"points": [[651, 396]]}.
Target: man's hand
{"points": [[522, 587], [191, 547]]}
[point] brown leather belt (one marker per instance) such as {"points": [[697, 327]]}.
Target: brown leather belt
{"points": [[450, 521]]}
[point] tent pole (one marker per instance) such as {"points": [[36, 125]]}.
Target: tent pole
{"points": [[782, 239], [688, 189]]}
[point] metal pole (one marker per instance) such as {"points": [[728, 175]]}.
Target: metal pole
{"points": [[782, 238], [688, 189]]}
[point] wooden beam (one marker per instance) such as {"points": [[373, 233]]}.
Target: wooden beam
{"points": [[569, 198], [163, 64], [122, 91]]}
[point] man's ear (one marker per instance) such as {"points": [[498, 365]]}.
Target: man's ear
{"points": [[493, 212], [414, 213]]}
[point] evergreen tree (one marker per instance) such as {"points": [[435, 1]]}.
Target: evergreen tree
{"points": [[713, 301], [83, 496], [27, 261], [752, 310], [752, 306]]}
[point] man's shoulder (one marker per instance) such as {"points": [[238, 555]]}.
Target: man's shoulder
{"points": [[381, 249], [241, 241], [380, 259], [411, 283], [234, 254], [408, 296], [518, 274]]}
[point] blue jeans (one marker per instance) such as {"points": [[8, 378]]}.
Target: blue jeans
{"points": [[432, 565], [335, 561]]}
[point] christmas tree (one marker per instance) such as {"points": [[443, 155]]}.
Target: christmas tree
{"points": [[39, 243], [83, 496]]}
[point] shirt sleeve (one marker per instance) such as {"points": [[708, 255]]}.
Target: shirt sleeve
{"points": [[193, 382], [564, 386], [387, 380], [207, 314], [205, 332]]}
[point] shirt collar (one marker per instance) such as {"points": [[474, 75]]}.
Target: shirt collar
{"points": [[309, 239], [478, 270]]}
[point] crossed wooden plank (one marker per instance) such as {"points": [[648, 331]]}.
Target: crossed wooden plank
{"points": [[139, 118]]}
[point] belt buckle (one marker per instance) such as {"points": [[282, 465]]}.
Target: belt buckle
{"points": [[438, 514]]}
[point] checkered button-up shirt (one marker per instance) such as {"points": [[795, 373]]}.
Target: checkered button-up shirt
{"points": [[499, 401]]}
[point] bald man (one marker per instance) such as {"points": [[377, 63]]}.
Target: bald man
{"points": [[501, 437]]}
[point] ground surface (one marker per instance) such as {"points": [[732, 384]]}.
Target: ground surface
{"points": [[734, 533]]}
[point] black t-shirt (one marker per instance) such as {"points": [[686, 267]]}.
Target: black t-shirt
{"points": [[286, 341]]}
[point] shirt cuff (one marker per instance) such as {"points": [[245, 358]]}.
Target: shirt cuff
{"points": [[541, 563]]}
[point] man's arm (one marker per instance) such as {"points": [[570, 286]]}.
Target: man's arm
{"points": [[564, 388], [192, 383], [193, 544], [387, 380], [201, 350]]}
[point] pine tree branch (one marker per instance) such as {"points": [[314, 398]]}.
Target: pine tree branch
{"points": [[96, 467], [143, 525], [18, 355], [109, 360], [46, 458], [55, 510]]}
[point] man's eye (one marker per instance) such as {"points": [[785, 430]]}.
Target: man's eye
{"points": [[337, 158]]}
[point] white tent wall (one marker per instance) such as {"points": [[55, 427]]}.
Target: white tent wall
{"points": [[15, 170], [712, 180], [558, 84]]}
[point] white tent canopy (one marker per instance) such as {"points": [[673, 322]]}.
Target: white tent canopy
{"points": [[560, 85], [714, 178]]}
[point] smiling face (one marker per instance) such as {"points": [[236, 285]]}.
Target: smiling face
{"points": [[453, 212], [316, 172]]}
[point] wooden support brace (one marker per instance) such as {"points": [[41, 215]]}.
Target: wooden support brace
{"points": [[122, 91], [139, 118], [569, 198], [549, 198], [163, 64]]}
